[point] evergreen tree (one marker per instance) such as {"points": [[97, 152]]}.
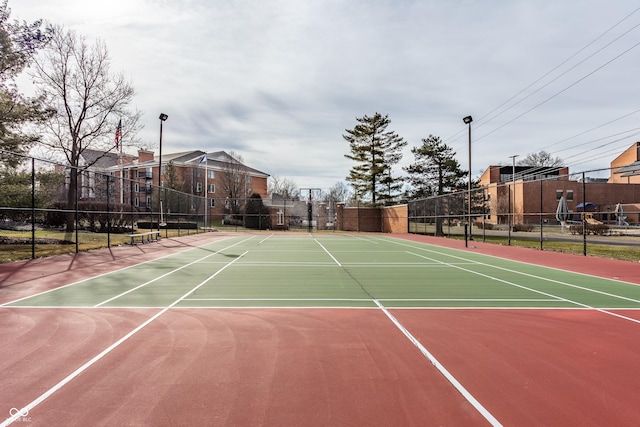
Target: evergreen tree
{"points": [[257, 214], [19, 43], [435, 171], [375, 150]]}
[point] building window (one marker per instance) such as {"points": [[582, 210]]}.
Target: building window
{"points": [[198, 187], [136, 188], [569, 195], [212, 188], [136, 202], [212, 203], [558, 194], [211, 174], [280, 217]]}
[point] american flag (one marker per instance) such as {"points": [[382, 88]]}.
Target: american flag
{"points": [[118, 134]]}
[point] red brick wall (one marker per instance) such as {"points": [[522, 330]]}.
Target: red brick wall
{"points": [[395, 219], [358, 219], [259, 185]]}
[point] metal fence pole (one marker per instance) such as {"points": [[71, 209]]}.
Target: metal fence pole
{"points": [[33, 208], [584, 216], [541, 221]]}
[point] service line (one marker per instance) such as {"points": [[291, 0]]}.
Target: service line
{"points": [[27, 409]]}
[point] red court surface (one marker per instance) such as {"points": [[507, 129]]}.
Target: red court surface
{"points": [[316, 367], [226, 367]]}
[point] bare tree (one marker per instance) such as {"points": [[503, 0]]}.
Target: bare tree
{"points": [[235, 185], [338, 193], [74, 80], [541, 158], [284, 187]]}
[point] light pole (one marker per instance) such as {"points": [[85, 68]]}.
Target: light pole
{"points": [[162, 118], [467, 120], [512, 211]]}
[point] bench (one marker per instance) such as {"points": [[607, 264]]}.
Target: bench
{"points": [[145, 237]]}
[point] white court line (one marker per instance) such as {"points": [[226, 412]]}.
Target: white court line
{"points": [[362, 238], [109, 272], [27, 409], [168, 273], [266, 238], [278, 299], [472, 400], [328, 253], [601, 310], [468, 261], [456, 384]]}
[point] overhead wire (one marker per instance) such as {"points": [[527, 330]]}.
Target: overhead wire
{"points": [[556, 78], [560, 92], [480, 122], [557, 67]]}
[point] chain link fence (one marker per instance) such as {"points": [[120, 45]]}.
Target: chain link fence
{"points": [[50, 208], [566, 208]]}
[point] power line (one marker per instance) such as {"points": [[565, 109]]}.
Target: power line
{"points": [[557, 67], [592, 129], [457, 135], [559, 92]]}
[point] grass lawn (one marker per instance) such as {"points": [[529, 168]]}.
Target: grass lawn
{"points": [[50, 242]]}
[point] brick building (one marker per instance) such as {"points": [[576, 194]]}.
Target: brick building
{"points": [[535, 193], [626, 167], [219, 182]]}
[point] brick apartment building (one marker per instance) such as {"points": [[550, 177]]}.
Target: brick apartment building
{"points": [[218, 181]]}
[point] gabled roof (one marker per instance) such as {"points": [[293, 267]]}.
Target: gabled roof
{"points": [[99, 159], [218, 160], [221, 160]]}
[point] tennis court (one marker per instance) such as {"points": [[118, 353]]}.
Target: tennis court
{"points": [[319, 329]]}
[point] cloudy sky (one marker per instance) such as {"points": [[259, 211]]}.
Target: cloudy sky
{"points": [[279, 81]]}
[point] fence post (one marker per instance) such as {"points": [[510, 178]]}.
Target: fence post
{"points": [[541, 221], [108, 213], [466, 235], [584, 216], [33, 208], [77, 172], [509, 215]]}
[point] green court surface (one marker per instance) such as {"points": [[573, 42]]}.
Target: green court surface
{"points": [[337, 271]]}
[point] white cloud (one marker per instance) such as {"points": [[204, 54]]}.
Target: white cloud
{"points": [[279, 81]]}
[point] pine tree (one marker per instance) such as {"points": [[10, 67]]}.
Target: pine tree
{"points": [[19, 42], [436, 171], [375, 150]]}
